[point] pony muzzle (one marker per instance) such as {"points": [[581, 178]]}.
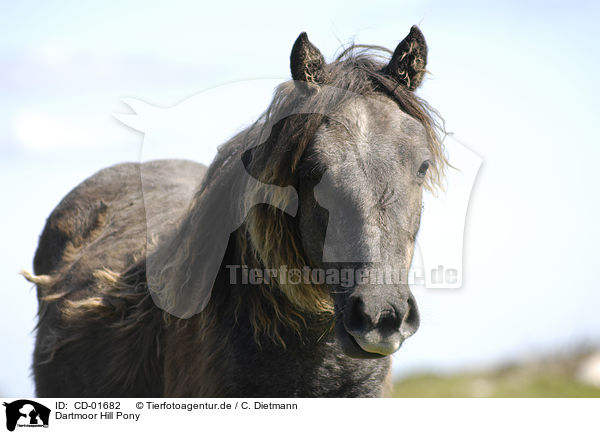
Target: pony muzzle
{"points": [[379, 326], [373, 342]]}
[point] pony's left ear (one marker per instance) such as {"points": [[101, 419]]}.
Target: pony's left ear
{"points": [[409, 60], [306, 61]]}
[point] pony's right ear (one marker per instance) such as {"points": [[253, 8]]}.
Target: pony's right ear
{"points": [[409, 60], [306, 61]]}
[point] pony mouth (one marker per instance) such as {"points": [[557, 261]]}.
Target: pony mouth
{"points": [[350, 347]]}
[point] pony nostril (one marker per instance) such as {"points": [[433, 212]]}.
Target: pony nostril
{"points": [[357, 319], [411, 320]]}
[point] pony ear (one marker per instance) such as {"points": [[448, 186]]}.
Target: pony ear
{"points": [[306, 61], [409, 60]]}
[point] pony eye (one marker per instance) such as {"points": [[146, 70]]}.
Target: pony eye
{"points": [[423, 169]]}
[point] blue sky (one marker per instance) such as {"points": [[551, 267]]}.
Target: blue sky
{"points": [[516, 81]]}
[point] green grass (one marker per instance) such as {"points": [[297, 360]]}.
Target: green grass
{"points": [[510, 384], [479, 385], [550, 376]]}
